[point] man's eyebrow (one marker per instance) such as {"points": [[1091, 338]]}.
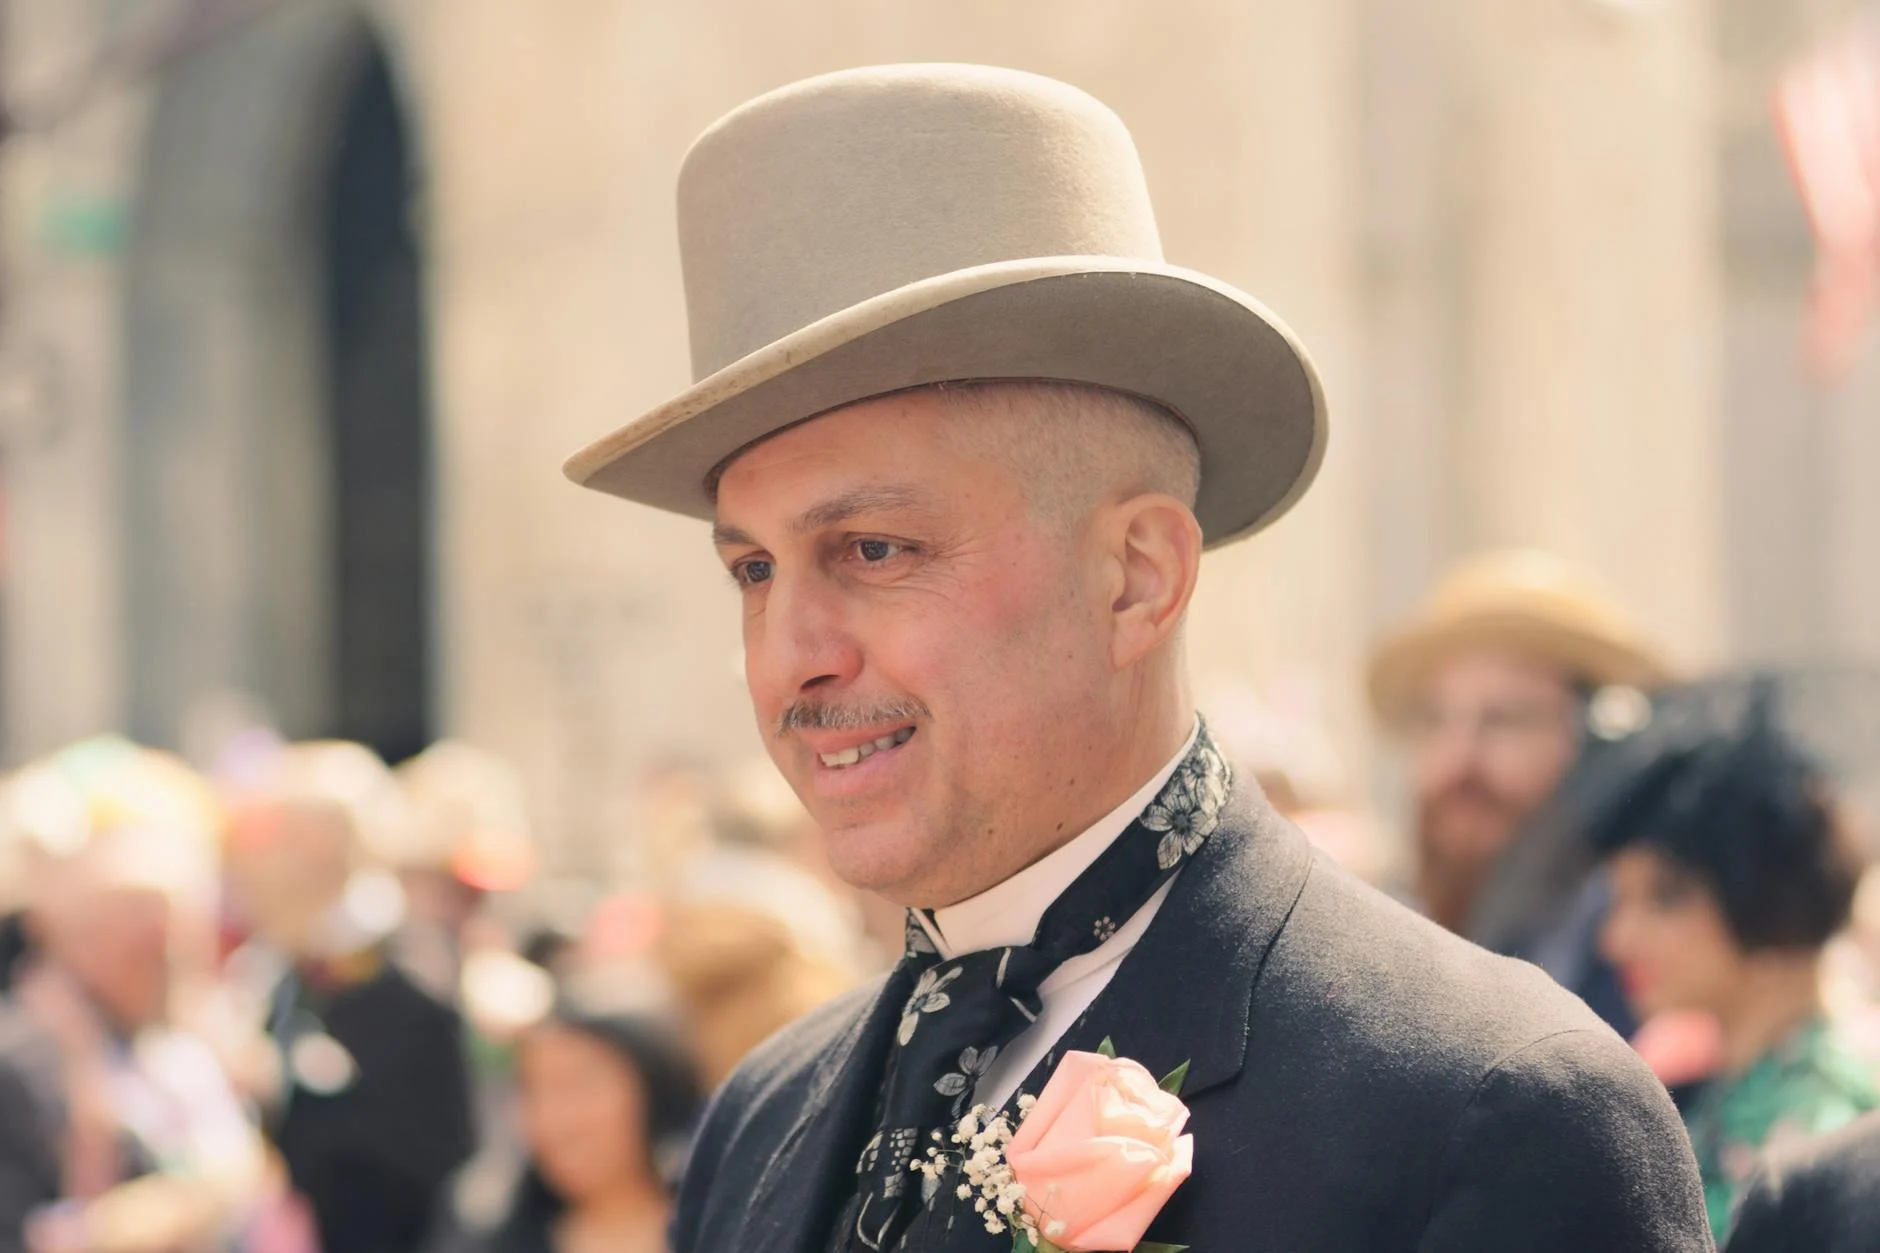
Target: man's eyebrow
{"points": [[850, 503], [730, 536], [830, 512]]}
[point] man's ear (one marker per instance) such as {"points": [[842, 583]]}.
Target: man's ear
{"points": [[1155, 543]]}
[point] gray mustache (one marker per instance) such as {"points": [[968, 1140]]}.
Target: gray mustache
{"points": [[807, 715]]}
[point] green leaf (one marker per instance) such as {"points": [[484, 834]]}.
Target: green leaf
{"points": [[1173, 1080], [1151, 1246], [1022, 1241], [1107, 1048]]}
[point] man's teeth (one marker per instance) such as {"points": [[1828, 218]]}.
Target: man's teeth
{"points": [[849, 756]]}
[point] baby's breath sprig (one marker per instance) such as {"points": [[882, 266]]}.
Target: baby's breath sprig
{"points": [[976, 1149]]}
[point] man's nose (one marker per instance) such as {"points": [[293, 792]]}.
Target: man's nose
{"points": [[1445, 755], [804, 639]]}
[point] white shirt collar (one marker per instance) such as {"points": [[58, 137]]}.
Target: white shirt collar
{"points": [[1008, 913]]}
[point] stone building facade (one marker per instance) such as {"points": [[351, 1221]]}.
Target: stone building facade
{"points": [[302, 312]]}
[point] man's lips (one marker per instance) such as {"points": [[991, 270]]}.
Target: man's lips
{"points": [[838, 750]]}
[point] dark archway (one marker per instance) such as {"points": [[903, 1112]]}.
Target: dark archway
{"points": [[277, 429], [379, 426]]}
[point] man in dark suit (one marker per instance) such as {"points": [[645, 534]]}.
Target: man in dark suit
{"points": [[372, 1114], [1821, 1196], [963, 591]]}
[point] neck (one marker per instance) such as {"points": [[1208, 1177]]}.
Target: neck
{"points": [[1776, 994], [1164, 724]]}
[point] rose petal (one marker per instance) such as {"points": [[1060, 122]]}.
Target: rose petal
{"points": [[1084, 1182], [1123, 1227], [1101, 1152], [1065, 1083], [1131, 1103]]}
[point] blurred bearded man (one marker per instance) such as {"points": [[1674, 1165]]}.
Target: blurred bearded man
{"points": [[1489, 685], [963, 436]]}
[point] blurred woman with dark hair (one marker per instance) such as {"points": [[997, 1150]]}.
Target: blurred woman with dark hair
{"points": [[1731, 869], [607, 1103]]}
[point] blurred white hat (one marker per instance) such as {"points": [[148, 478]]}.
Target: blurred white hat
{"points": [[135, 815], [469, 814]]}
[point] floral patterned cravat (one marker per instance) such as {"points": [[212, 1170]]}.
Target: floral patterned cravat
{"points": [[961, 1012]]}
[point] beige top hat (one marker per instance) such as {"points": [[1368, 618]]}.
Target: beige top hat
{"points": [[880, 229], [1527, 602]]}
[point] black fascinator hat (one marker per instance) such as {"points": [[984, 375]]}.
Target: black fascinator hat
{"points": [[1720, 778]]}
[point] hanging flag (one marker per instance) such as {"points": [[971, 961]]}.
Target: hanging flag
{"points": [[1827, 112]]}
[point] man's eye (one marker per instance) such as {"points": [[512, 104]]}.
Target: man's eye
{"points": [[875, 549], [751, 573]]}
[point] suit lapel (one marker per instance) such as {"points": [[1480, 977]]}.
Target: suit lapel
{"points": [[1185, 992], [793, 1207]]}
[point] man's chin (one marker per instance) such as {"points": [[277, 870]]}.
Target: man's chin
{"points": [[886, 858]]}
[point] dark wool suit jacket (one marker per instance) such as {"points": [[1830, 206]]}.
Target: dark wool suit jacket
{"points": [[1360, 1080], [373, 1158], [1819, 1197]]}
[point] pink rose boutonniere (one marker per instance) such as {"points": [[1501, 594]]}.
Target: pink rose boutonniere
{"points": [[1093, 1160]]}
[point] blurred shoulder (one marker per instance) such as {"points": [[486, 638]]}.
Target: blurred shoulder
{"points": [[1850, 1155], [1821, 1194]]}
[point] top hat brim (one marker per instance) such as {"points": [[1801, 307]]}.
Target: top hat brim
{"points": [[1228, 368]]}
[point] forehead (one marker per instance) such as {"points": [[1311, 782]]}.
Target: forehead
{"points": [[901, 441], [1483, 673]]}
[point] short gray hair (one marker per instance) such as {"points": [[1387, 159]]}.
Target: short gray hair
{"points": [[1075, 442]]}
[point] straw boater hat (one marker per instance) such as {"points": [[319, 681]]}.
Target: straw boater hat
{"points": [[881, 229], [1529, 603]]}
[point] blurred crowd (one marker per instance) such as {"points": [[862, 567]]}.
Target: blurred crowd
{"points": [[1685, 852], [294, 1000], [289, 999]]}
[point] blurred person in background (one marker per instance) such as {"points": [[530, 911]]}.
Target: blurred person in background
{"points": [[371, 1111], [118, 1130], [750, 941], [469, 837], [469, 844], [607, 1102], [1820, 1196], [1488, 686], [1731, 868], [551, 947]]}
